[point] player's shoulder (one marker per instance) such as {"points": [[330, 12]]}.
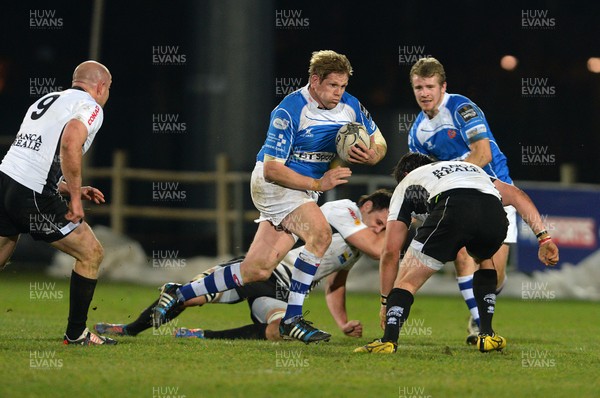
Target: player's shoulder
{"points": [[457, 100], [293, 102], [349, 98], [462, 108], [338, 208], [78, 97], [338, 204], [419, 119]]}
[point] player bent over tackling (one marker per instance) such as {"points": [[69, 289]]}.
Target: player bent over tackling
{"points": [[465, 209]]}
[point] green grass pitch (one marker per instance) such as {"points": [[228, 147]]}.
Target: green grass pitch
{"points": [[553, 350]]}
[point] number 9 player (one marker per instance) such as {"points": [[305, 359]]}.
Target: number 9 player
{"points": [[42, 166]]}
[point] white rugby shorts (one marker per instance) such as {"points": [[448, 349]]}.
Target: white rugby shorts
{"points": [[273, 201]]}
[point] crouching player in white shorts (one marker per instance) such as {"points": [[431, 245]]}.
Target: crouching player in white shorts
{"points": [[291, 168], [357, 229]]}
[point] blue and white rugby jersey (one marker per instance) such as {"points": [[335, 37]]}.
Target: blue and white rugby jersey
{"points": [[303, 136], [447, 136]]}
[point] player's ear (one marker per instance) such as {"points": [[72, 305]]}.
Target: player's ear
{"points": [[100, 86]]}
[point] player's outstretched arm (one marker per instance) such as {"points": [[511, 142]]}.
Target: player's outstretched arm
{"points": [[335, 296], [279, 173], [511, 195]]}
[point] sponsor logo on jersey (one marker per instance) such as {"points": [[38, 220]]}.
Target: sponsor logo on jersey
{"points": [[451, 133], [475, 131], [452, 168], [364, 111], [94, 115], [345, 256], [280, 124], [308, 133], [354, 217], [28, 140], [467, 112], [315, 157]]}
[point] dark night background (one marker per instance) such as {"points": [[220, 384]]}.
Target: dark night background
{"points": [[234, 52]]}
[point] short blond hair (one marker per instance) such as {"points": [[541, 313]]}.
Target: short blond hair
{"points": [[324, 62], [428, 67]]}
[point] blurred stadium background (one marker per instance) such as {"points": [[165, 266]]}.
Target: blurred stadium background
{"points": [[197, 79]]}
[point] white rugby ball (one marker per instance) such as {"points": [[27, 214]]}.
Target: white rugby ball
{"points": [[349, 135]]}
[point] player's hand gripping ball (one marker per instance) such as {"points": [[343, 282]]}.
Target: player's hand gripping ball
{"points": [[349, 135]]}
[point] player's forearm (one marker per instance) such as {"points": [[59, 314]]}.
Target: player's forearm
{"points": [[481, 153], [380, 151], [514, 196], [478, 158], [279, 173], [372, 246], [380, 147], [336, 302], [527, 210], [71, 168]]}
